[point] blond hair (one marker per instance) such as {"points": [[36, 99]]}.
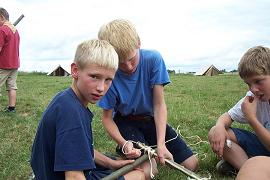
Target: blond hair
{"points": [[122, 35], [96, 52], [256, 61]]}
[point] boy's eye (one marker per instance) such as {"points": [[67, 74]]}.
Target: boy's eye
{"points": [[257, 81], [108, 80], [93, 76]]}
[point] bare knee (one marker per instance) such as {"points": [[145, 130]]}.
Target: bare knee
{"points": [[255, 168], [232, 135], [141, 176], [191, 163], [149, 168], [135, 175]]}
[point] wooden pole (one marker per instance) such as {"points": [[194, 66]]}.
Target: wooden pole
{"points": [[18, 20], [126, 168], [143, 158], [174, 164]]}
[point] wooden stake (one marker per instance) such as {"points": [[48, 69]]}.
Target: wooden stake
{"points": [[127, 168]]}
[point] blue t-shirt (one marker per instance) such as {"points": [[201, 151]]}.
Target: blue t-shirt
{"points": [[133, 94], [63, 140]]}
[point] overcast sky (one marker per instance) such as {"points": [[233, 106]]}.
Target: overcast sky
{"points": [[189, 34]]}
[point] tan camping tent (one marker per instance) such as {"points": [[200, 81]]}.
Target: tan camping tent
{"points": [[208, 71], [59, 71]]}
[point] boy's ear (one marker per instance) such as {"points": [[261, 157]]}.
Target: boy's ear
{"points": [[74, 70], [139, 44]]}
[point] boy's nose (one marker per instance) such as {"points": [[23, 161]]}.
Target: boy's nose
{"points": [[254, 89], [129, 66], [100, 86]]}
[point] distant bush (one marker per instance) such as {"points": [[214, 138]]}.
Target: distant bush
{"points": [[33, 72]]}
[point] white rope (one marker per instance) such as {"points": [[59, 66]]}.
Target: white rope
{"points": [[151, 152], [123, 147]]}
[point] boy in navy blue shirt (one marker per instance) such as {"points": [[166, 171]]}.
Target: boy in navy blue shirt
{"points": [[63, 146]]}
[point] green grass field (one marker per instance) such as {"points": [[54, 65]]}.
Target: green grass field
{"points": [[194, 103]]}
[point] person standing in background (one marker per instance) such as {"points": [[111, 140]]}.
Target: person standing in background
{"points": [[9, 57]]}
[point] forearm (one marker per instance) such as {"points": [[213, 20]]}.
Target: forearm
{"points": [[160, 114], [160, 117], [113, 131], [262, 133], [102, 160], [224, 121]]}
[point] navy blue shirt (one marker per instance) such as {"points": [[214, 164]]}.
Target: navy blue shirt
{"points": [[63, 140]]}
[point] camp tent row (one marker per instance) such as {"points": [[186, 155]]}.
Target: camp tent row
{"points": [[208, 71], [65, 71]]}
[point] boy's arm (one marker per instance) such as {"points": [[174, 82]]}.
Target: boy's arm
{"points": [[109, 163], [218, 133], [101, 160], [160, 117], [249, 108], [114, 132], [111, 127], [74, 175]]}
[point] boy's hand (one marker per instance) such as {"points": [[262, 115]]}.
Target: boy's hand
{"points": [[249, 108], [116, 164], [131, 152], [163, 153], [217, 137]]}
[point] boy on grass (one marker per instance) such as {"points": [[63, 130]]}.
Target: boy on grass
{"points": [[63, 146], [134, 108], [253, 109]]}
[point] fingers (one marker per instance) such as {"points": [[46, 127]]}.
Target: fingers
{"points": [[169, 156], [161, 160], [129, 151], [128, 161], [134, 153], [221, 148], [120, 163], [162, 155], [218, 147], [127, 147], [250, 99]]}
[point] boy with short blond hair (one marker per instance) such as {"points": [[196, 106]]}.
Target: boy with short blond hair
{"points": [[253, 109], [134, 108], [63, 146]]}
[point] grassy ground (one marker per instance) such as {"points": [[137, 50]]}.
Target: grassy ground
{"points": [[194, 104]]}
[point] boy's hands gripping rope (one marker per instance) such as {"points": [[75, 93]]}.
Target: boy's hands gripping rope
{"points": [[129, 150]]}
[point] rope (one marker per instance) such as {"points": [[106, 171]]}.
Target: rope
{"points": [[175, 165], [123, 147], [151, 152]]}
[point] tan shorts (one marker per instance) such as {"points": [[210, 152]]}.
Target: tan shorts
{"points": [[8, 77]]}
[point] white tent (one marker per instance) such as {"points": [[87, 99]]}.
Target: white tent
{"points": [[59, 71], [208, 71]]}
